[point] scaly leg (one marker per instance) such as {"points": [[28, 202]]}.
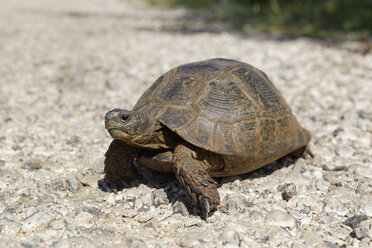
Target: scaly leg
{"points": [[193, 176], [303, 152], [119, 164]]}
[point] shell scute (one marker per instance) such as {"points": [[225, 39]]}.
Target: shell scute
{"points": [[224, 140], [223, 101], [200, 130], [178, 90], [260, 89], [246, 131], [176, 117]]}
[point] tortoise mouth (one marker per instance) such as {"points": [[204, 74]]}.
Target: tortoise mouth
{"points": [[116, 133]]}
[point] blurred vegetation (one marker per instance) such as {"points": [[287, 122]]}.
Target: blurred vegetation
{"points": [[330, 19]]}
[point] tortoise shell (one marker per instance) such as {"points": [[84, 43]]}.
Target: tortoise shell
{"points": [[224, 106]]}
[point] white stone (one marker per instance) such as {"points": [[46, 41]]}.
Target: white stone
{"points": [[341, 232], [3, 185], [111, 200], [364, 229], [345, 151], [195, 238], [317, 174], [368, 209], [229, 236], [334, 205], [364, 171], [90, 180], [84, 219], [37, 221], [75, 242], [279, 218], [130, 213], [143, 217], [192, 222], [58, 224], [173, 219], [9, 227]]}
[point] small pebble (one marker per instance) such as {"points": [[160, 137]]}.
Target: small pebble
{"points": [[368, 210], [111, 200], [9, 227], [365, 115], [135, 243], [345, 151], [229, 236], [32, 164], [179, 207], [363, 229], [84, 219], [256, 216], [71, 184], [74, 242], [361, 232], [364, 171], [272, 236], [90, 180], [334, 205], [279, 218], [171, 220], [355, 220], [91, 210], [288, 191], [340, 232], [129, 213], [328, 220], [143, 203], [309, 239], [37, 221], [231, 204], [192, 222], [191, 239], [143, 217], [9, 242], [160, 197], [57, 224]]}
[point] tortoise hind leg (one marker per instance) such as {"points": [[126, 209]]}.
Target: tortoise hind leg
{"points": [[119, 164], [193, 176], [301, 152]]}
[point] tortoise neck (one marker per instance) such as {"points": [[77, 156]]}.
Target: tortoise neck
{"points": [[161, 138]]}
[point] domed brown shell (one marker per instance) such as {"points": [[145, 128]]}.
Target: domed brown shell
{"points": [[224, 106]]}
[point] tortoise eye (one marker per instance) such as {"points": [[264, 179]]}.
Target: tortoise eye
{"points": [[125, 117]]}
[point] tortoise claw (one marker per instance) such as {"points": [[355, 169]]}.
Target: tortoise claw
{"points": [[205, 208], [193, 196], [309, 153], [117, 184], [114, 187]]}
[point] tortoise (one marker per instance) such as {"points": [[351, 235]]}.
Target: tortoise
{"points": [[213, 118]]}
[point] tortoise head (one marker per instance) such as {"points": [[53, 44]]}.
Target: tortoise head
{"points": [[134, 128]]}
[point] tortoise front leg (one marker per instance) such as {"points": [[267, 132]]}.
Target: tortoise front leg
{"points": [[193, 176], [119, 164]]}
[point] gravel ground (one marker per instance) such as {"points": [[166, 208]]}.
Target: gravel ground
{"points": [[63, 64]]}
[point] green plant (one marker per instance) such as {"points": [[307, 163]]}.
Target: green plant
{"points": [[318, 18]]}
